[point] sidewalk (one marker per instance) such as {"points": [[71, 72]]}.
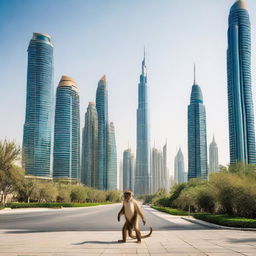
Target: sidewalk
{"points": [[207, 242]]}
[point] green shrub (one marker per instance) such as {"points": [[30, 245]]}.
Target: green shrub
{"points": [[78, 194], [114, 196], [64, 192]]}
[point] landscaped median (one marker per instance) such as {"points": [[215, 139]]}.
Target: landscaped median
{"points": [[52, 205], [219, 219]]}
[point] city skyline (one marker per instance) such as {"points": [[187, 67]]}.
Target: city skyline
{"points": [[160, 132]]}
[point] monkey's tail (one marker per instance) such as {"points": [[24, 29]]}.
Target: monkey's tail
{"points": [[131, 235], [149, 234], [134, 237]]}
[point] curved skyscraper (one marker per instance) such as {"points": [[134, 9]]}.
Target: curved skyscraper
{"points": [[142, 172], [213, 157], [197, 140], [36, 149], [240, 103], [89, 166], [66, 152], [111, 158], [102, 110]]}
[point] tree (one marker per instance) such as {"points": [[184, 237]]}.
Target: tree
{"points": [[10, 174], [47, 192], [27, 189], [78, 194]]}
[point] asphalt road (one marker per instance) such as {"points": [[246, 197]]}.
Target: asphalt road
{"points": [[102, 218]]}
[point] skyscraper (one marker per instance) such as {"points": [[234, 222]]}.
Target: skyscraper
{"points": [[159, 171], [66, 152], [89, 165], [213, 157], [165, 169], [102, 110], [120, 187], [240, 103], [128, 170], [156, 170], [179, 170], [143, 174], [197, 141], [36, 149], [111, 158]]}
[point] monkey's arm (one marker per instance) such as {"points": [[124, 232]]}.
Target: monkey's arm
{"points": [[121, 212], [140, 212]]}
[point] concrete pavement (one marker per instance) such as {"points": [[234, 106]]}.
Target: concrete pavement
{"points": [[182, 240]]}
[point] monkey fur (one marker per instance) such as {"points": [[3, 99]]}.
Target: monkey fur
{"points": [[131, 212]]}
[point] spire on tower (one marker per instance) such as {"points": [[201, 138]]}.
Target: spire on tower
{"points": [[194, 73], [144, 69]]}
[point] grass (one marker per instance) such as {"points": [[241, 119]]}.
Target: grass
{"points": [[52, 205], [171, 211], [219, 219], [225, 220]]}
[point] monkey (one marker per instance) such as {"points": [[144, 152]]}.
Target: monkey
{"points": [[131, 211]]}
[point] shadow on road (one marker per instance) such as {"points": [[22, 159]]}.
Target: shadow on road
{"points": [[248, 240], [97, 242]]}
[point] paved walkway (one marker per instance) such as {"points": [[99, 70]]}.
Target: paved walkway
{"points": [[211, 242]]}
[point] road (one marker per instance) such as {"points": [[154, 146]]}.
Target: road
{"points": [[95, 230], [100, 218]]}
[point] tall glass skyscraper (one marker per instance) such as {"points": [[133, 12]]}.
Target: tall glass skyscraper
{"points": [[89, 166], [197, 140], [102, 110], [165, 169], [157, 170], [213, 157], [143, 174], [179, 170], [36, 149], [240, 103], [128, 170], [111, 158], [66, 152]]}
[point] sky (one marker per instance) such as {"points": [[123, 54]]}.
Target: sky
{"points": [[96, 37]]}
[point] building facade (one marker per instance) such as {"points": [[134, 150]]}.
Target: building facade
{"points": [[111, 158], [197, 139], [142, 172], [66, 151], [166, 177], [213, 157], [102, 110], [240, 102], [89, 163], [157, 170], [179, 169], [128, 170], [36, 148]]}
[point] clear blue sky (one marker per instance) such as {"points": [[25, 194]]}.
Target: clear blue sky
{"points": [[96, 37]]}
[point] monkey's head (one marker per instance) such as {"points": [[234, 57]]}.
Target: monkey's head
{"points": [[127, 195]]}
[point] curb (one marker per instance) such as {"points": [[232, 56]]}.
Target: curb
{"points": [[208, 224]]}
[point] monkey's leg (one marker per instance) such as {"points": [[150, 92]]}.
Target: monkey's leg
{"points": [[138, 235], [130, 228], [124, 233], [137, 230]]}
